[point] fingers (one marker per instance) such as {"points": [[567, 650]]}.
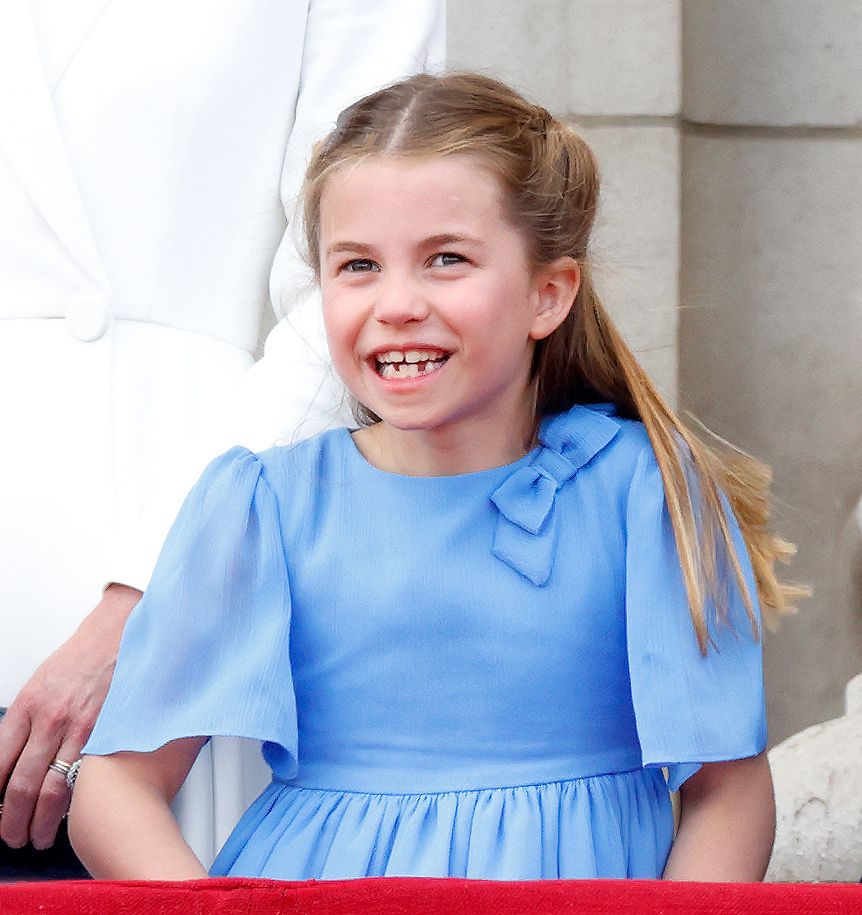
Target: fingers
{"points": [[36, 798], [25, 785], [14, 734], [53, 801]]}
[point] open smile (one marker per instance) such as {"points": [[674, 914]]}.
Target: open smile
{"points": [[411, 363]]}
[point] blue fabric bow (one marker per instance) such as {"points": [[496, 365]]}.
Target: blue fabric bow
{"points": [[525, 536]]}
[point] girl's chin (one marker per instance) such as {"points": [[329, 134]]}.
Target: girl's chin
{"points": [[405, 420], [400, 422]]}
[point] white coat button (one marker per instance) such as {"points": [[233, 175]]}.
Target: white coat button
{"points": [[88, 317]]}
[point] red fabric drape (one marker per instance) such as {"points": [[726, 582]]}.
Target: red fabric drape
{"points": [[400, 896]]}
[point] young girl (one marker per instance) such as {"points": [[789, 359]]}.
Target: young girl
{"points": [[471, 633]]}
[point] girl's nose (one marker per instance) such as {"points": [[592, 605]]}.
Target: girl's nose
{"points": [[400, 303]]}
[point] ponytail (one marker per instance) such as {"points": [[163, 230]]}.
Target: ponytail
{"points": [[594, 348]]}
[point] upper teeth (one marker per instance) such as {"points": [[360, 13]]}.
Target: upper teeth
{"points": [[411, 355]]}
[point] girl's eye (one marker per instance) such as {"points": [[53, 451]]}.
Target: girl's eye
{"points": [[446, 259], [360, 265]]}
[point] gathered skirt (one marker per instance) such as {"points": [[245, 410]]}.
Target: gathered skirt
{"points": [[617, 825]]}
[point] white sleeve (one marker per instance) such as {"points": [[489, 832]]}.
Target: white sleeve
{"points": [[350, 50]]}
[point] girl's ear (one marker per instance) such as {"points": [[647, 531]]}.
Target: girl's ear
{"points": [[555, 287]]}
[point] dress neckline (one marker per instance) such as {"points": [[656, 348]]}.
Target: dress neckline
{"points": [[358, 458], [581, 431]]}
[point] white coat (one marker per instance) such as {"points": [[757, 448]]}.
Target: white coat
{"points": [[148, 154]]}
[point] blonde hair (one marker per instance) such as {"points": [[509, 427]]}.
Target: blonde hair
{"points": [[551, 186]]}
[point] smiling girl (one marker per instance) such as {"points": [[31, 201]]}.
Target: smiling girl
{"points": [[473, 632]]}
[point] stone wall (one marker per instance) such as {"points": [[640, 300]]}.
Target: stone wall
{"points": [[613, 70], [771, 291], [729, 249]]}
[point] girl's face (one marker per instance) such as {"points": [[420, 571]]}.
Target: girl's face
{"points": [[431, 306]]}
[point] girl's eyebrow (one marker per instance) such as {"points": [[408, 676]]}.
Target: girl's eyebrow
{"points": [[449, 238], [354, 247], [444, 238]]}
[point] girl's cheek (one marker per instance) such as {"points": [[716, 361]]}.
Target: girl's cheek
{"points": [[333, 310], [343, 327]]}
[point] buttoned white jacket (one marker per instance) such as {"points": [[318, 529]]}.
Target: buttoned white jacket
{"points": [[144, 184]]}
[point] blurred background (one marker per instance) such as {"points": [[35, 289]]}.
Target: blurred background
{"points": [[729, 250]]}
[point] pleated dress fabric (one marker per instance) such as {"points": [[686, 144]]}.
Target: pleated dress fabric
{"points": [[479, 675]]}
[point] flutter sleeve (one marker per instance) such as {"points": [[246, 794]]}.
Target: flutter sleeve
{"points": [[206, 651], [689, 708]]}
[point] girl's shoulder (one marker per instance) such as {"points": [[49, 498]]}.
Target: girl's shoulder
{"points": [[596, 435], [290, 472], [307, 455]]}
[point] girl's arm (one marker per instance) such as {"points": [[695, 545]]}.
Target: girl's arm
{"points": [[120, 822], [727, 823]]}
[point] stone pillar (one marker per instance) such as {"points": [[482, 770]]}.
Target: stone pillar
{"points": [[771, 294], [613, 70]]}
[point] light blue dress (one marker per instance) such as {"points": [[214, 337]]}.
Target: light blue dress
{"points": [[473, 676]]}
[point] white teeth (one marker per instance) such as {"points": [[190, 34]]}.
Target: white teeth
{"points": [[411, 356]]}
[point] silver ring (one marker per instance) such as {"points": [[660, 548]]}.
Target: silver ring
{"points": [[59, 766]]}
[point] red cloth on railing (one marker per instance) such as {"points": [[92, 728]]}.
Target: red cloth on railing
{"points": [[400, 896]]}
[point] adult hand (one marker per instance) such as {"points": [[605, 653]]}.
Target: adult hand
{"points": [[51, 718]]}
